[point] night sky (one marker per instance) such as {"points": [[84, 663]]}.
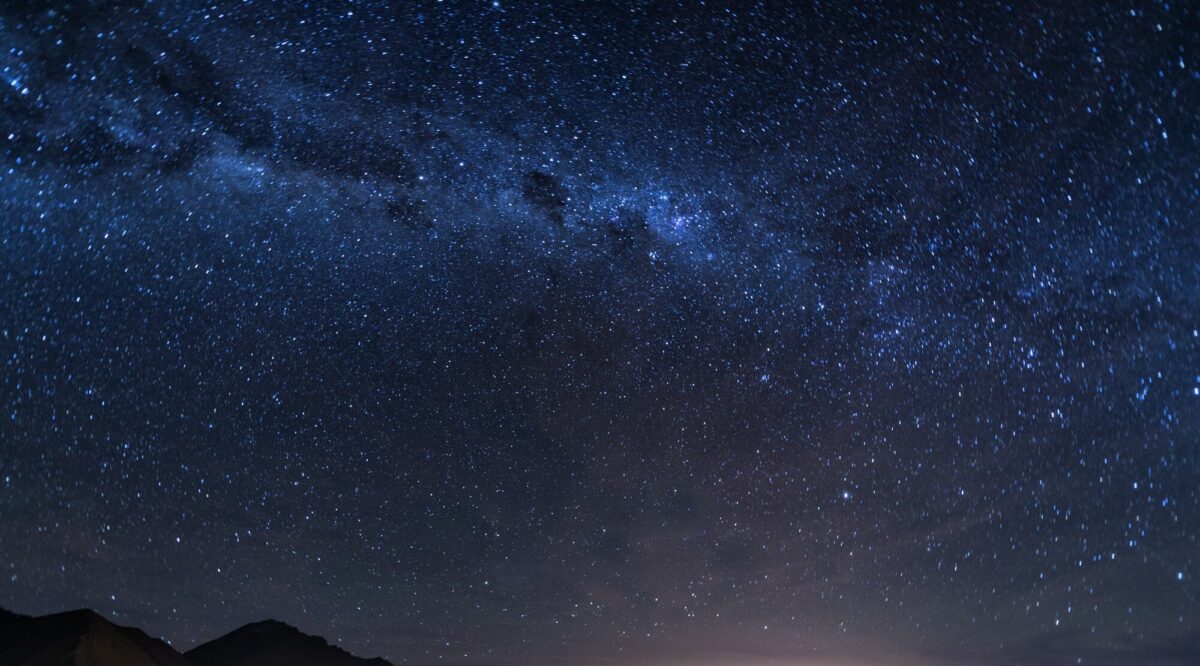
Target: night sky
{"points": [[658, 333]]}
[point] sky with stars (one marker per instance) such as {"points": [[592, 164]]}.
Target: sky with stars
{"points": [[662, 333]]}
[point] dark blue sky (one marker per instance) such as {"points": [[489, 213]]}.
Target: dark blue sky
{"points": [[619, 333]]}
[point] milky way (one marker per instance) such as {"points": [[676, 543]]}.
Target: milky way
{"points": [[607, 333]]}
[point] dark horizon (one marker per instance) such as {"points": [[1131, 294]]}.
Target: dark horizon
{"points": [[656, 333], [1044, 650]]}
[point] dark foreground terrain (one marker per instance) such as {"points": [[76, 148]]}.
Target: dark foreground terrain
{"points": [[84, 638]]}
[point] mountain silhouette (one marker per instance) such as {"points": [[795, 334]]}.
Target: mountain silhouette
{"points": [[79, 638], [273, 643], [84, 638]]}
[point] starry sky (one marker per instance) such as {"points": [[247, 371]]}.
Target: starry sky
{"points": [[663, 333]]}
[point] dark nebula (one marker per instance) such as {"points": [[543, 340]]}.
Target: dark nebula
{"points": [[656, 333]]}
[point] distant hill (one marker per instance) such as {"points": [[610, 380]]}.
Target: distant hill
{"points": [[79, 638], [84, 638], [272, 643]]}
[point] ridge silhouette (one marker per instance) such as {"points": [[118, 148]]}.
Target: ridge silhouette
{"points": [[85, 638]]}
